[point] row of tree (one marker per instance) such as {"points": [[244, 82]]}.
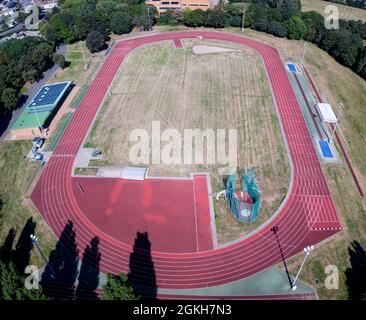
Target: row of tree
{"points": [[94, 20]]}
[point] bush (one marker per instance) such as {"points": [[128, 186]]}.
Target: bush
{"points": [[216, 19], [277, 28], [343, 46], [95, 42], [296, 28], [120, 23], [59, 60], [194, 18]]}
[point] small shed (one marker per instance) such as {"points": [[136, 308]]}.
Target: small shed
{"points": [[326, 113]]}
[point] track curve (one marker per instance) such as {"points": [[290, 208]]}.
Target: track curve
{"points": [[307, 216]]}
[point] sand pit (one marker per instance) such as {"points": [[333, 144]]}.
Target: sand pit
{"points": [[199, 49]]}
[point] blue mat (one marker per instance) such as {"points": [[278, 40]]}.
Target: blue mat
{"points": [[324, 145], [291, 67]]}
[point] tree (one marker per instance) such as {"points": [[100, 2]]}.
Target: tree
{"points": [[277, 28], [59, 59], [95, 42], [145, 18], [117, 288], [9, 98], [169, 18], [193, 18], [343, 45], [296, 28], [120, 23], [216, 19], [47, 31], [361, 63], [315, 26]]}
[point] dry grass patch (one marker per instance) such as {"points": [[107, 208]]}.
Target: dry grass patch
{"points": [[187, 91]]}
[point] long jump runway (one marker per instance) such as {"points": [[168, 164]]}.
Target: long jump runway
{"points": [[307, 215]]}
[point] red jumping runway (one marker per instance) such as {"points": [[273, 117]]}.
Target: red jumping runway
{"points": [[307, 215]]}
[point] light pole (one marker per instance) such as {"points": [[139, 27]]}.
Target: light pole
{"points": [[34, 240], [303, 57], [341, 107], [275, 230], [82, 52], [242, 23], [307, 251], [148, 14]]}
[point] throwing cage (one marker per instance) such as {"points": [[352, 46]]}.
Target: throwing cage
{"points": [[245, 205]]}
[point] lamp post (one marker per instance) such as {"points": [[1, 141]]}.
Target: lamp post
{"points": [[341, 107], [34, 240], [82, 52], [303, 57], [275, 230], [148, 14], [242, 23], [307, 251]]}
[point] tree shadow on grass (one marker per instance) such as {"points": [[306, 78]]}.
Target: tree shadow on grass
{"points": [[356, 274], [142, 275], [59, 276], [89, 272], [24, 245], [6, 250]]}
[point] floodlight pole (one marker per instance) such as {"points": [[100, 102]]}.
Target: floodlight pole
{"points": [[39, 123], [340, 106], [242, 23], [34, 240], [307, 251], [82, 52], [148, 14], [275, 230], [303, 57]]}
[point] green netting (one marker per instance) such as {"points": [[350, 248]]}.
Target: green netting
{"points": [[251, 188], [230, 194], [244, 210]]}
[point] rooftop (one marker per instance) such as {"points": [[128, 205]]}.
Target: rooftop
{"points": [[41, 106]]}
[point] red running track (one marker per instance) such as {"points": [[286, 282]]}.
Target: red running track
{"points": [[307, 215]]}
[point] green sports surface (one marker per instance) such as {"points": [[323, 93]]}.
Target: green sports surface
{"points": [[42, 106]]}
